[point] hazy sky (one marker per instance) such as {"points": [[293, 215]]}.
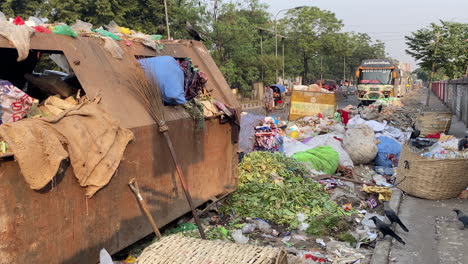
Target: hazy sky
{"points": [[386, 20]]}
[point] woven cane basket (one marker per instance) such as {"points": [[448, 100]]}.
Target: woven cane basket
{"points": [[433, 179], [177, 249]]}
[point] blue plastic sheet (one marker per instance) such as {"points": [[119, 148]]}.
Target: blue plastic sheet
{"points": [[387, 146], [280, 87], [169, 76]]}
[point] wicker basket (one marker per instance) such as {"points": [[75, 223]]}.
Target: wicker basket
{"points": [[432, 179], [434, 122], [177, 249]]}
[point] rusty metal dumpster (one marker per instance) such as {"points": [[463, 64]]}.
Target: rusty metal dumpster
{"points": [[61, 225]]}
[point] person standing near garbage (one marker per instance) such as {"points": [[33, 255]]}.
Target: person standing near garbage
{"points": [[268, 99]]}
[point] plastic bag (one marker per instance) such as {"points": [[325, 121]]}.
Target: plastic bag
{"points": [[106, 33], [332, 140], [64, 30], [360, 144], [42, 29], [2, 17], [292, 146], [113, 48], [15, 104], [19, 36], [18, 21], [146, 40], [323, 159], [169, 76], [36, 21], [386, 147], [81, 26]]}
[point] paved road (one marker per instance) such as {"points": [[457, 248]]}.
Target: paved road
{"points": [[435, 236]]}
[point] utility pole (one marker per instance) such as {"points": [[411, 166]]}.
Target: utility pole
{"points": [[261, 52], [429, 90], [276, 36], [344, 68], [167, 20], [321, 68], [283, 63]]}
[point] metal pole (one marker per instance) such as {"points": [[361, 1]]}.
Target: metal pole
{"points": [[344, 68], [167, 20], [261, 52], [276, 37], [276, 45], [321, 68], [432, 72], [283, 63]]}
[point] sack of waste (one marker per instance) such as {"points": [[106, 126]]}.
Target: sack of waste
{"points": [[388, 152], [333, 140], [323, 159], [361, 144]]}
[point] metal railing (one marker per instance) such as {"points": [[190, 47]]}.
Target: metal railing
{"points": [[454, 94]]}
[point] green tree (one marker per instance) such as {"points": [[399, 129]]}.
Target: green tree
{"points": [[311, 32], [13, 8], [236, 43], [443, 46]]}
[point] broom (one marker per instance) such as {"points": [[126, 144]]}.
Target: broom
{"points": [[146, 90]]}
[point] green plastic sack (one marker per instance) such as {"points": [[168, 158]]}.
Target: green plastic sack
{"points": [[106, 33], [64, 30], [323, 159], [156, 37]]}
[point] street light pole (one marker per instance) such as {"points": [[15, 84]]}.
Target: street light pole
{"points": [[167, 20], [276, 36]]}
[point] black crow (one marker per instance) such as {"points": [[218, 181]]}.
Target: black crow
{"points": [[415, 132], [192, 32], [463, 144], [462, 217], [393, 217], [385, 229]]}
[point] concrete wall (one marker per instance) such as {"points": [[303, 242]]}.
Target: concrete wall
{"points": [[454, 93]]}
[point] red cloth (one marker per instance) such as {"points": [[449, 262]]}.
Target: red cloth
{"points": [[437, 135], [320, 115], [18, 21], [42, 29], [344, 116]]}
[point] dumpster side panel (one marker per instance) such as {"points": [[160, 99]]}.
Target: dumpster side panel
{"points": [[305, 103], [61, 225]]}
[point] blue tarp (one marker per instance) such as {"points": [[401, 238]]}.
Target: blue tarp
{"points": [[387, 146], [281, 87], [169, 76]]}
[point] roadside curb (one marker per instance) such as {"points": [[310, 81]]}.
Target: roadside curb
{"points": [[382, 247]]}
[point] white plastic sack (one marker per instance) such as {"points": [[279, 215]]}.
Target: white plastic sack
{"points": [[292, 146], [81, 26], [113, 48], [19, 36], [376, 126], [355, 121], [329, 140], [361, 144]]}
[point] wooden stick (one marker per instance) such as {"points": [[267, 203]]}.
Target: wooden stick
{"points": [[345, 179], [134, 187], [184, 186]]}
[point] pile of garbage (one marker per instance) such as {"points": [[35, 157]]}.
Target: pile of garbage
{"points": [[19, 32], [446, 147]]}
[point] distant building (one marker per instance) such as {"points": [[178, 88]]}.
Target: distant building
{"points": [[404, 66]]}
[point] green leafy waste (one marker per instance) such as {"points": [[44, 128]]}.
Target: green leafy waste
{"points": [[274, 187]]}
